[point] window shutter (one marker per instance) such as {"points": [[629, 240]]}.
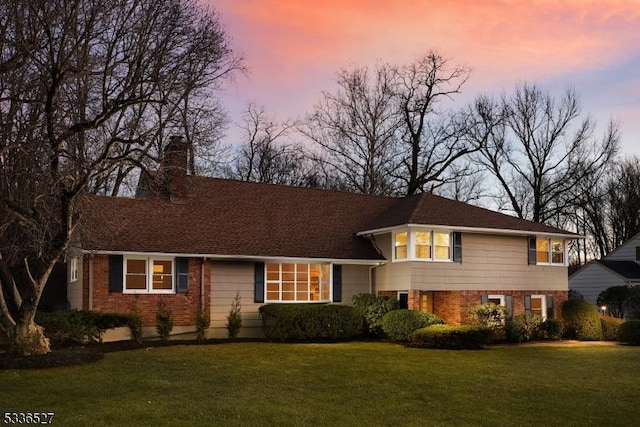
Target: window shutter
{"points": [[182, 274], [549, 306], [484, 299], [337, 283], [527, 304], [532, 250], [508, 302], [457, 246], [116, 264], [258, 287]]}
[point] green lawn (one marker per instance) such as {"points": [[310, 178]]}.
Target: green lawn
{"points": [[366, 384]]}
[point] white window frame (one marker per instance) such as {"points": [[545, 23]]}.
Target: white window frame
{"points": [[500, 297], [550, 252], [73, 270], [279, 282], [149, 275], [543, 304], [411, 244]]}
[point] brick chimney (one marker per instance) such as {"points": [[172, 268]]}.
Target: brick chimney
{"points": [[173, 169]]}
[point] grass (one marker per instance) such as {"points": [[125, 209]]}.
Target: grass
{"points": [[366, 384]]}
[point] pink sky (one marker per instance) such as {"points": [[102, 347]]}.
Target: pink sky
{"points": [[293, 49]]}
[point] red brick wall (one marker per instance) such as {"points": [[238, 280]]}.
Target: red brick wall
{"points": [[183, 306], [453, 306]]}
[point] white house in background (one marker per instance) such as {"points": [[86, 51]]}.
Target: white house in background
{"points": [[621, 267]]}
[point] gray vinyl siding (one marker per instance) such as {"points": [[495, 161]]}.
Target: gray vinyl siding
{"points": [[593, 279]]}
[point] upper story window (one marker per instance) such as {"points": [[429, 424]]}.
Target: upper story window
{"points": [[547, 250], [297, 282], [429, 245], [148, 275]]}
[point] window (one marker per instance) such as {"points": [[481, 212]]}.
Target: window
{"points": [[148, 275], [401, 245], [422, 245], [73, 270], [550, 251], [496, 299], [538, 305], [288, 282]]}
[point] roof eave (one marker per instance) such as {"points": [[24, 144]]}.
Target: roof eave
{"points": [[478, 230]]}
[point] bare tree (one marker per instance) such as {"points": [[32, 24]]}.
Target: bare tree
{"points": [[539, 150], [265, 154], [355, 128], [78, 81], [435, 140]]}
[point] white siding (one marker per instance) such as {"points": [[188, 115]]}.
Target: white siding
{"points": [[593, 279]]}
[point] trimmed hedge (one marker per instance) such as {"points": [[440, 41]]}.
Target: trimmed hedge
{"points": [[80, 326], [310, 322], [610, 327], [451, 337], [372, 309], [629, 332], [581, 320], [400, 324]]}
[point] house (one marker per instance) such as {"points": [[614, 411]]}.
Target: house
{"points": [[192, 243], [621, 267]]}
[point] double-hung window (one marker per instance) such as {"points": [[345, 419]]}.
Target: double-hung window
{"points": [[422, 245], [550, 251], [148, 275]]}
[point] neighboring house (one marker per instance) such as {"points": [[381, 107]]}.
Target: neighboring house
{"points": [[621, 267], [193, 242]]}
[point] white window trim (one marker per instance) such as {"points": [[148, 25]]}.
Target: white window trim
{"points": [[543, 304], [500, 297], [149, 278], [73, 270], [564, 262], [411, 245], [280, 300]]}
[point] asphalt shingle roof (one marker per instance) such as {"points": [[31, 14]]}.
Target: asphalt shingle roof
{"points": [[627, 269], [235, 218]]}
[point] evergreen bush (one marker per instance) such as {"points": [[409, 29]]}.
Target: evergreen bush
{"points": [[372, 309], [610, 327], [524, 328], [310, 322], [164, 322], [581, 321], [78, 326], [234, 318], [400, 324], [451, 337], [629, 332], [203, 322]]}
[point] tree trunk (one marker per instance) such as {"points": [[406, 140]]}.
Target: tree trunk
{"points": [[28, 339]]}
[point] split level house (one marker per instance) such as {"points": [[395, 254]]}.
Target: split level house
{"points": [[193, 243], [620, 268]]}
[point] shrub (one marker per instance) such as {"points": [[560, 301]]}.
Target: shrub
{"points": [[400, 324], [552, 329], [135, 325], [64, 326], [524, 327], [610, 327], [310, 322], [372, 309], [451, 337], [581, 321], [629, 332], [490, 315], [164, 323], [203, 322], [234, 318]]}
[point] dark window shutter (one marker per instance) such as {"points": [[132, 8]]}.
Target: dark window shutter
{"points": [[182, 274], [549, 306], [258, 287], [527, 304], [457, 247], [484, 299], [532, 250], [116, 264], [337, 283], [508, 303]]}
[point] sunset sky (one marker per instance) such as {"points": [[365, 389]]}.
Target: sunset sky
{"points": [[293, 49]]}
